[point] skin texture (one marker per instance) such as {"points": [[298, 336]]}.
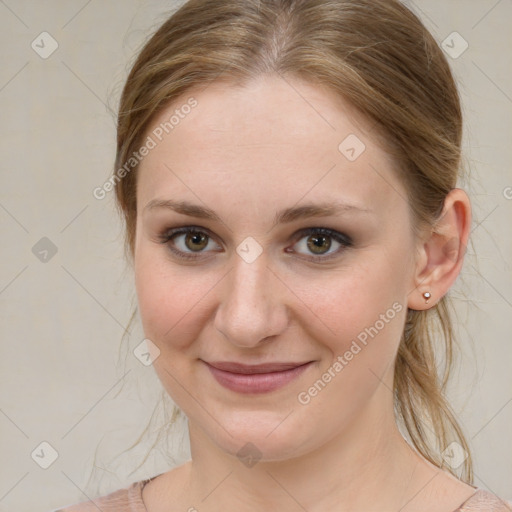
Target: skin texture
{"points": [[247, 153]]}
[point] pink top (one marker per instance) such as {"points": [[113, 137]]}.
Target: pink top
{"points": [[129, 499]]}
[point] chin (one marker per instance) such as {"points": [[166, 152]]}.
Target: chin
{"points": [[263, 436]]}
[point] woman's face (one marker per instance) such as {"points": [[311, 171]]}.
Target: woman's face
{"points": [[261, 284]]}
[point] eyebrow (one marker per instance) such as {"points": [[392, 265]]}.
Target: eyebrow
{"points": [[282, 217]]}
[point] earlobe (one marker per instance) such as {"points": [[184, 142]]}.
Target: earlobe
{"points": [[442, 253]]}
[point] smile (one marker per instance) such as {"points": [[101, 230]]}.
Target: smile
{"points": [[257, 378]]}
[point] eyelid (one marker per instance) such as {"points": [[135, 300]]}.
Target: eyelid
{"points": [[337, 235]]}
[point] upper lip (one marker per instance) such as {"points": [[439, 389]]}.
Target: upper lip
{"points": [[235, 367]]}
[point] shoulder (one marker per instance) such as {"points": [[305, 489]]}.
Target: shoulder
{"points": [[485, 501], [125, 499]]}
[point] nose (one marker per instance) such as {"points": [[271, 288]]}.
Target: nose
{"points": [[252, 305]]}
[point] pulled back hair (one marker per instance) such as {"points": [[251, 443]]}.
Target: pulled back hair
{"points": [[379, 57]]}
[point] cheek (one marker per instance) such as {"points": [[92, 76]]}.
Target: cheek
{"points": [[364, 310], [346, 303], [171, 300]]}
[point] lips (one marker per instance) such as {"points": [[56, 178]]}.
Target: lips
{"points": [[246, 369], [261, 378]]}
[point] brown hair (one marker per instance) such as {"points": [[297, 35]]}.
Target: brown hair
{"points": [[379, 57]]}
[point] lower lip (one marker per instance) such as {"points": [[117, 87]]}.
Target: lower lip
{"points": [[256, 382]]}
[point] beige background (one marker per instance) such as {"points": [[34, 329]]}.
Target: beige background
{"points": [[64, 378]]}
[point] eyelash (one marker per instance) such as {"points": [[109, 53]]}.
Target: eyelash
{"points": [[345, 241]]}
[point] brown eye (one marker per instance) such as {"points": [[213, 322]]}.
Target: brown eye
{"points": [[318, 244], [196, 241], [187, 242], [190, 243]]}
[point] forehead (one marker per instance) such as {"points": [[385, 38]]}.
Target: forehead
{"points": [[270, 141]]}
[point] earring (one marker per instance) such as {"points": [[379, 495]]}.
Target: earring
{"points": [[426, 296]]}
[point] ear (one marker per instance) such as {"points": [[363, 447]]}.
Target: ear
{"points": [[441, 254]]}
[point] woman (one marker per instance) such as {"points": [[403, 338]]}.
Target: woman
{"points": [[287, 173]]}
